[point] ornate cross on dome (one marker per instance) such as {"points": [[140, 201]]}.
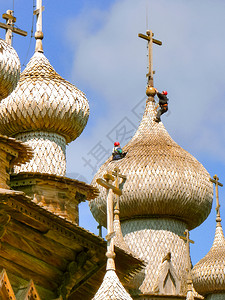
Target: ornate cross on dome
{"points": [[215, 180], [39, 34], [151, 40], [107, 183], [9, 27]]}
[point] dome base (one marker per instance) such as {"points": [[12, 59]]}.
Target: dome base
{"points": [[151, 240], [49, 153]]}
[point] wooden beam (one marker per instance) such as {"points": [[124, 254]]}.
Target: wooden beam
{"points": [[15, 30], [36, 250], [39, 239], [65, 241], [27, 274], [109, 186], [18, 283], [30, 263], [9, 17]]}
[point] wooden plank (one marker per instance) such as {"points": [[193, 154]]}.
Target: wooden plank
{"points": [[27, 274], [9, 17], [39, 239], [30, 262], [18, 282], [157, 42], [143, 36], [67, 242], [109, 186], [16, 30], [36, 250]]}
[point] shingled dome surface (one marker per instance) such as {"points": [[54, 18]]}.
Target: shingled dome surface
{"points": [[208, 274], [44, 101], [9, 69], [162, 178]]}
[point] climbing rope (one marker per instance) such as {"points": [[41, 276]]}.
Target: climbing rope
{"points": [[31, 35]]}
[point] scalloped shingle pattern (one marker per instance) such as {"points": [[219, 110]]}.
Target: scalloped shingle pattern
{"points": [[162, 178], [151, 240], [209, 273], [9, 69], [49, 153], [216, 297], [44, 101], [111, 288]]}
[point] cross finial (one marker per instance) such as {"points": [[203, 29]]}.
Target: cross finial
{"points": [[151, 40], [9, 26], [186, 238], [39, 34], [215, 180], [109, 177]]}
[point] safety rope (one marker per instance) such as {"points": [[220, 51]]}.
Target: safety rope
{"points": [[31, 35]]}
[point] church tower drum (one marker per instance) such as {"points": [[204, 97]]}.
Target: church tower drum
{"points": [[166, 192]]}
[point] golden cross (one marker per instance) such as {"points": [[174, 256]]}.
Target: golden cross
{"points": [[9, 26], [217, 183], [151, 40]]}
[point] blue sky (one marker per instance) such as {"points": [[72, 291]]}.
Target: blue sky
{"points": [[94, 45]]}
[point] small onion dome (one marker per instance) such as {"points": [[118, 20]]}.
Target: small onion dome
{"points": [[162, 178], [9, 69], [209, 273], [44, 101]]}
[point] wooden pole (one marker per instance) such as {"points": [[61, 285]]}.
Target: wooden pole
{"points": [[149, 37], [215, 180], [9, 27]]}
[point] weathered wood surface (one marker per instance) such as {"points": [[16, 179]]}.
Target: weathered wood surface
{"points": [[19, 283], [65, 241], [30, 262], [36, 250], [27, 274], [39, 239]]}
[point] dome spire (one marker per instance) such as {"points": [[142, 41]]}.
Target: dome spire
{"points": [[149, 38], [39, 33]]}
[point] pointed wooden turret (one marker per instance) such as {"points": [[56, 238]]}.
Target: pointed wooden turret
{"points": [[111, 287]]}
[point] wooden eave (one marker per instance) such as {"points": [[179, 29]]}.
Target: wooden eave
{"points": [[24, 152], [55, 253], [25, 178]]}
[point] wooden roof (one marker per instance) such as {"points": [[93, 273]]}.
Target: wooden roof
{"points": [[60, 257], [90, 191]]}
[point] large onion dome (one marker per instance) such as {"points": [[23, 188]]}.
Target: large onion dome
{"points": [[209, 273], [162, 178], [9, 69], [44, 101]]}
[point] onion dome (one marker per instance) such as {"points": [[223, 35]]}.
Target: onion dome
{"points": [[44, 101], [9, 69], [209, 273], [45, 111], [162, 178]]}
